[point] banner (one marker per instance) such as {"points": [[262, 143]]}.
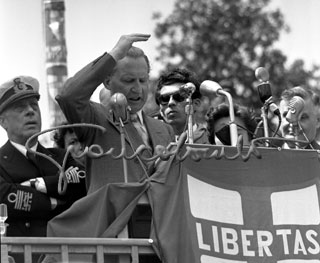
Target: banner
{"points": [[215, 204], [261, 210]]}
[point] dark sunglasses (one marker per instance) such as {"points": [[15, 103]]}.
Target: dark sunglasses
{"points": [[164, 99]]}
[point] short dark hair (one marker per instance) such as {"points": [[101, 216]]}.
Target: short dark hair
{"points": [[222, 111], [178, 75], [59, 135], [303, 92]]}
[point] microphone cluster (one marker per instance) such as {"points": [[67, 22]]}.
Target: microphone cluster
{"points": [[295, 107], [296, 104], [119, 108], [264, 90]]}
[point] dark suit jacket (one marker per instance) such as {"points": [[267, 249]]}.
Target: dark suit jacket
{"points": [[28, 209], [75, 103]]}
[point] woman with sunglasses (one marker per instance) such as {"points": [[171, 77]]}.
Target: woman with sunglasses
{"points": [[219, 120], [172, 101]]}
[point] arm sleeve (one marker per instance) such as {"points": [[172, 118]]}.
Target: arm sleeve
{"points": [[75, 175], [22, 201], [74, 99]]}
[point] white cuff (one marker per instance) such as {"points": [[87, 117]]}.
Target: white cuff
{"points": [[41, 185]]}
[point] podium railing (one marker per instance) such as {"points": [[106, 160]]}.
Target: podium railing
{"points": [[97, 247]]}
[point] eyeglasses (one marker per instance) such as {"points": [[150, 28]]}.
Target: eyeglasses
{"points": [[164, 99]]}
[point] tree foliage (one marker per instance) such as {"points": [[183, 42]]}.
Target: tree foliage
{"points": [[225, 41]]}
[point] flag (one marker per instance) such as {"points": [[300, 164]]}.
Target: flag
{"points": [[215, 204], [229, 210]]}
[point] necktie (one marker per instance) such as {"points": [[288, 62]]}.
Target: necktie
{"points": [[140, 129], [32, 158]]}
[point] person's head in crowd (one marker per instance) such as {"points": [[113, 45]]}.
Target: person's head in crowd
{"points": [[65, 137], [317, 91], [219, 120], [131, 77], [20, 113], [172, 102], [307, 117]]}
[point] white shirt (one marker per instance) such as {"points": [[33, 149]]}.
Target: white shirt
{"points": [[40, 186], [21, 148]]}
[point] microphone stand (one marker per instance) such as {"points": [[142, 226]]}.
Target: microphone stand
{"points": [[119, 111], [3, 218], [125, 231], [293, 131], [189, 112], [264, 116], [123, 150], [211, 86], [120, 122], [233, 125]]}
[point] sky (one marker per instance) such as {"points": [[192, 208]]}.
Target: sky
{"points": [[94, 26]]}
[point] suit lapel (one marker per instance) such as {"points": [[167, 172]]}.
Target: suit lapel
{"points": [[133, 139], [131, 134], [155, 131], [127, 130], [14, 162], [45, 166]]}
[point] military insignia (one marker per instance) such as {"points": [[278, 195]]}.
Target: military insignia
{"points": [[22, 200], [20, 86], [74, 174]]}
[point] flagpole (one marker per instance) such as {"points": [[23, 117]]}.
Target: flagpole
{"points": [[55, 55]]}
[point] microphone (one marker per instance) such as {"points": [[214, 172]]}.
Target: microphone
{"points": [[296, 105], [119, 108], [264, 90], [209, 87], [262, 74], [3, 218], [187, 89]]}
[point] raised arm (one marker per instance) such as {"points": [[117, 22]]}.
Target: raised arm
{"points": [[74, 99]]}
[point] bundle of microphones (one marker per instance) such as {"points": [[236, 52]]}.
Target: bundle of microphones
{"points": [[295, 107], [120, 109]]}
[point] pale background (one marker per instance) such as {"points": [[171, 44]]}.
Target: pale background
{"points": [[94, 26]]}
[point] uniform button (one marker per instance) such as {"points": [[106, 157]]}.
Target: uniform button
{"points": [[27, 224]]}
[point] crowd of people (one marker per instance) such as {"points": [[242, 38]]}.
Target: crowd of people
{"points": [[29, 182]]}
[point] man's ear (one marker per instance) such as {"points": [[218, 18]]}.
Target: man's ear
{"points": [[106, 83], [3, 122]]}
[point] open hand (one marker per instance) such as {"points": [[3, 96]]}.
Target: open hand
{"points": [[124, 44]]}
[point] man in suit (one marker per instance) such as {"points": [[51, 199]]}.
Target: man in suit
{"points": [[125, 69], [29, 184]]}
